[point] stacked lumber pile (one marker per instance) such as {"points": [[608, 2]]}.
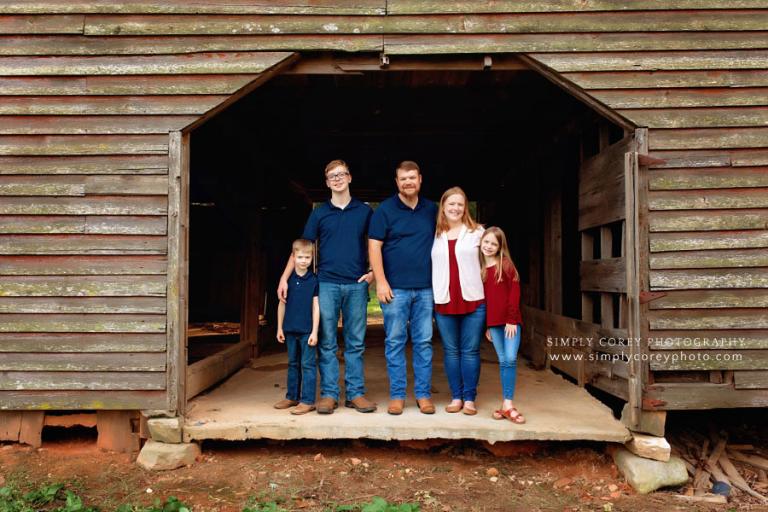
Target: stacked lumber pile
{"points": [[720, 469]]}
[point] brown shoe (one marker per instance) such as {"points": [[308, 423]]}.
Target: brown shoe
{"points": [[454, 407], [302, 409], [469, 411], [326, 405], [360, 404], [426, 406], [285, 404], [396, 406]]}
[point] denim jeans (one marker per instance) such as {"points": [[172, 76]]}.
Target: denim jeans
{"points": [[506, 349], [352, 300], [302, 368], [410, 310], [461, 336]]}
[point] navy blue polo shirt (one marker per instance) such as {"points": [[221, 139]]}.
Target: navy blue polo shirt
{"points": [[298, 306], [408, 235], [340, 233]]}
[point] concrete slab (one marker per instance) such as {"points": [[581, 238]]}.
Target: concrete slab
{"points": [[555, 409]]}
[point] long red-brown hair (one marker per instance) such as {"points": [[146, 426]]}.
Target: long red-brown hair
{"points": [[504, 263], [466, 218]]}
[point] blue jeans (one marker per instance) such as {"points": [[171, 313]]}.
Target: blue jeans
{"points": [[506, 349], [302, 368], [352, 300], [461, 336], [410, 309]]}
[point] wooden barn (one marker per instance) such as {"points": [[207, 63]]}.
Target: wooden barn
{"points": [[157, 157]]}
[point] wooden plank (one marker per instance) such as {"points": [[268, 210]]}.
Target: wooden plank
{"points": [[314, 7], [186, 64], [720, 220], [660, 242], [82, 342], [710, 259], [713, 339], [81, 381], [698, 117], [10, 426], [82, 185], [140, 164], [116, 431], [693, 138], [81, 400], [709, 199], [48, 24], [82, 286], [511, 6], [112, 362], [39, 85], [697, 396], [603, 275], [748, 157], [686, 179], [207, 372], [655, 61], [82, 265], [82, 244], [31, 432], [702, 360], [712, 299], [640, 21], [82, 144], [709, 278], [669, 79], [601, 186], [82, 323], [414, 44], [40, 224], [708, 319], [108, 105], [90, 205], [751, 379], [683, 98], [82, 305], [98, 125], [155, 45]]}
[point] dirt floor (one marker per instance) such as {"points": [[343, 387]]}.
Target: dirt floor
{"points": [[304, 475]]}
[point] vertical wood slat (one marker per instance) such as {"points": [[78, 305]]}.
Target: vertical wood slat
{"points": [[632, 263], [606, 299]]}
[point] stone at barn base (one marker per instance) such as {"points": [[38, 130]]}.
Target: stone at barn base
{"points": [[650, 447], [651, 422], [646, 475], [156, 456], [165, 430]]}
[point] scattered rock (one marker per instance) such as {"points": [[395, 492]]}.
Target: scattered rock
{"points": [[319, 458], [613, 488], [651, 422], [650, 447], [494, 479], [165, 430], [492, 472], [355, 461], [646, 475], [562, 482], [160, 456], [616, 494]]}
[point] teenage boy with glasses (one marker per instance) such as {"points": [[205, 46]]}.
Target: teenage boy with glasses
{"points": [[340, 226]]}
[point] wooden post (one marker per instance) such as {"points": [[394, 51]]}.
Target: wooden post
{"points": [[635, 391]]}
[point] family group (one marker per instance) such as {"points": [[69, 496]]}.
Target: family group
{"points": [[429, 262]]}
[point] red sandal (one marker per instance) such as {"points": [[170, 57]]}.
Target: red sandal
{"points": [[511, 414]]}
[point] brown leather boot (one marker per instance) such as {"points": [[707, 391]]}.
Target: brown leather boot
{"points": [[326, 405], [396, 406], [360, 404], [285, 403], [426, 406], [302, 409]]}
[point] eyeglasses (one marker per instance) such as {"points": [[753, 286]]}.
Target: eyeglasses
{"points": [[337, 176]]}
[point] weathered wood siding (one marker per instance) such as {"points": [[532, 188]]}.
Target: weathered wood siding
{"points": [[89, 92]]}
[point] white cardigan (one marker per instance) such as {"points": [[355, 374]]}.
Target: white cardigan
{"points": [[467, 256]]}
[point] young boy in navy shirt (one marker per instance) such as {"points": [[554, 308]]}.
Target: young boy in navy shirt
{"points": [[297, 322]]}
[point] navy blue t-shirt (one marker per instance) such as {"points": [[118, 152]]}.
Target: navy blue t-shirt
{"points": [[298, 306], [343, 253], [408, 235]]}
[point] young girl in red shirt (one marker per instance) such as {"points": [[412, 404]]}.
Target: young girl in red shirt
{"points": [[501, 283]]}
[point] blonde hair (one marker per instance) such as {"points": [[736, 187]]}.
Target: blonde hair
{"points": [[504, 264], [466, 218], [302, 245]]}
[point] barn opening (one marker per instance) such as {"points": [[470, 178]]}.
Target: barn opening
{"points": [[513, 140]]}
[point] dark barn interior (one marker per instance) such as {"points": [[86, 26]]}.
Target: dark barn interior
{"points": [[511, 139]]}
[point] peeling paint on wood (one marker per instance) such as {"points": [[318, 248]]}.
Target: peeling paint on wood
{"points": [[720, 220], [712, 299], [709, 319], [82, 265], [708, 199], [83, 144], [49, 24], [655, 61], [709, 278], [112, 362], [82, 342], [700, 241], [93, 205], [709, 339], [724, 258], [81, 323], [682, 179], [313, 7], [91, 125], [108, 105], [82, 286], [81, 381], [126, 305], [140, 164], [669, 79]]}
